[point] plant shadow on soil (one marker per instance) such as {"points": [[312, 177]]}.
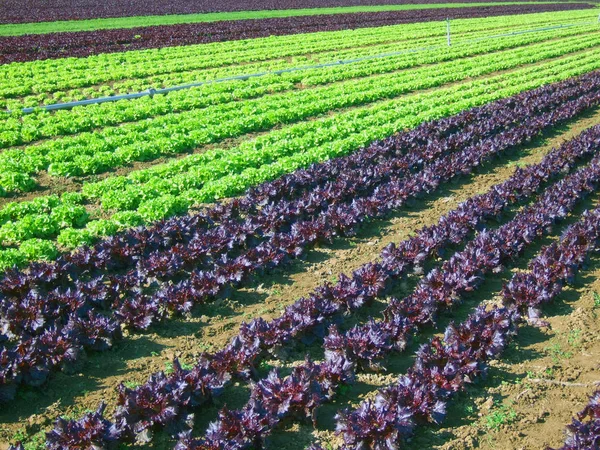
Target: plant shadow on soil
{"points": [[247, 293], [300, 436], [63, 391]]}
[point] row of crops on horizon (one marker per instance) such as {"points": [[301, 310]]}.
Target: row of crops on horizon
{"points": [[313, 225]]}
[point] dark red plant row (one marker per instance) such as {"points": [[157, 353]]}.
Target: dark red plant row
{"points": [[17, 11], [85, 43], [548, 273], [50, 314], [442, 367], [276, 398], [420, 396], [584, 431], [161, 403]]}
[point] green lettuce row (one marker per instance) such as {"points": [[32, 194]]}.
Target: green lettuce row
{"points": [[205, 180], [43, 77], [43, 125], [177, 78], [355, 130], [43, 81], [235, 119]]}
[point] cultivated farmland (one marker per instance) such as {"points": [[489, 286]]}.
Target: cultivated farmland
{"points": [[310, 225]]}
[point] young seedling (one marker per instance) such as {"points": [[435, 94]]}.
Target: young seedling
{"points": [[131, 384], [596, 300], [502, 415], [556, 352]]}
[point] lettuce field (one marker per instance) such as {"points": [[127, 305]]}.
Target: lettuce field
{"points": [[310, 225]]}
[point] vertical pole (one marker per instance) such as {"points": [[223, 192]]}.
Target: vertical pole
{"points": [[448, 30], [599, 18]]}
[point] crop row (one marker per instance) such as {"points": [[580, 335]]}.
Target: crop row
{"points": [[43, 125], [175, 78], [142, 83], [37, 11], [320, 140], [420, 396], [85, 43], [157, 404], [172, 133], [247, 51], [408, 45], [275, 398], [40, 309], [442, 367], [237, 426], [54, 75], [584, 431]]}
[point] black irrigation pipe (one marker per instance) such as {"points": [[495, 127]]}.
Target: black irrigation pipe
{"points": [[151, 91]]}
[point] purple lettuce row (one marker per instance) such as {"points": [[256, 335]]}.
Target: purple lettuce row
{"points": [[85, 43], [442, 368], [556, 266], [584, 431], [310, 385], [31, 361], [274, 398], [39, 313], [377, 425], [163, 408], [15, 11], [185, 247]]}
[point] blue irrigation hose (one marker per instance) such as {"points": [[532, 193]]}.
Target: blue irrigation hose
{"points": [[151, 92]]}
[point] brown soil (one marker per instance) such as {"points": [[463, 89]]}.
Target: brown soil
{"points": [[547, 404], [530, 393], [543, 380]]}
